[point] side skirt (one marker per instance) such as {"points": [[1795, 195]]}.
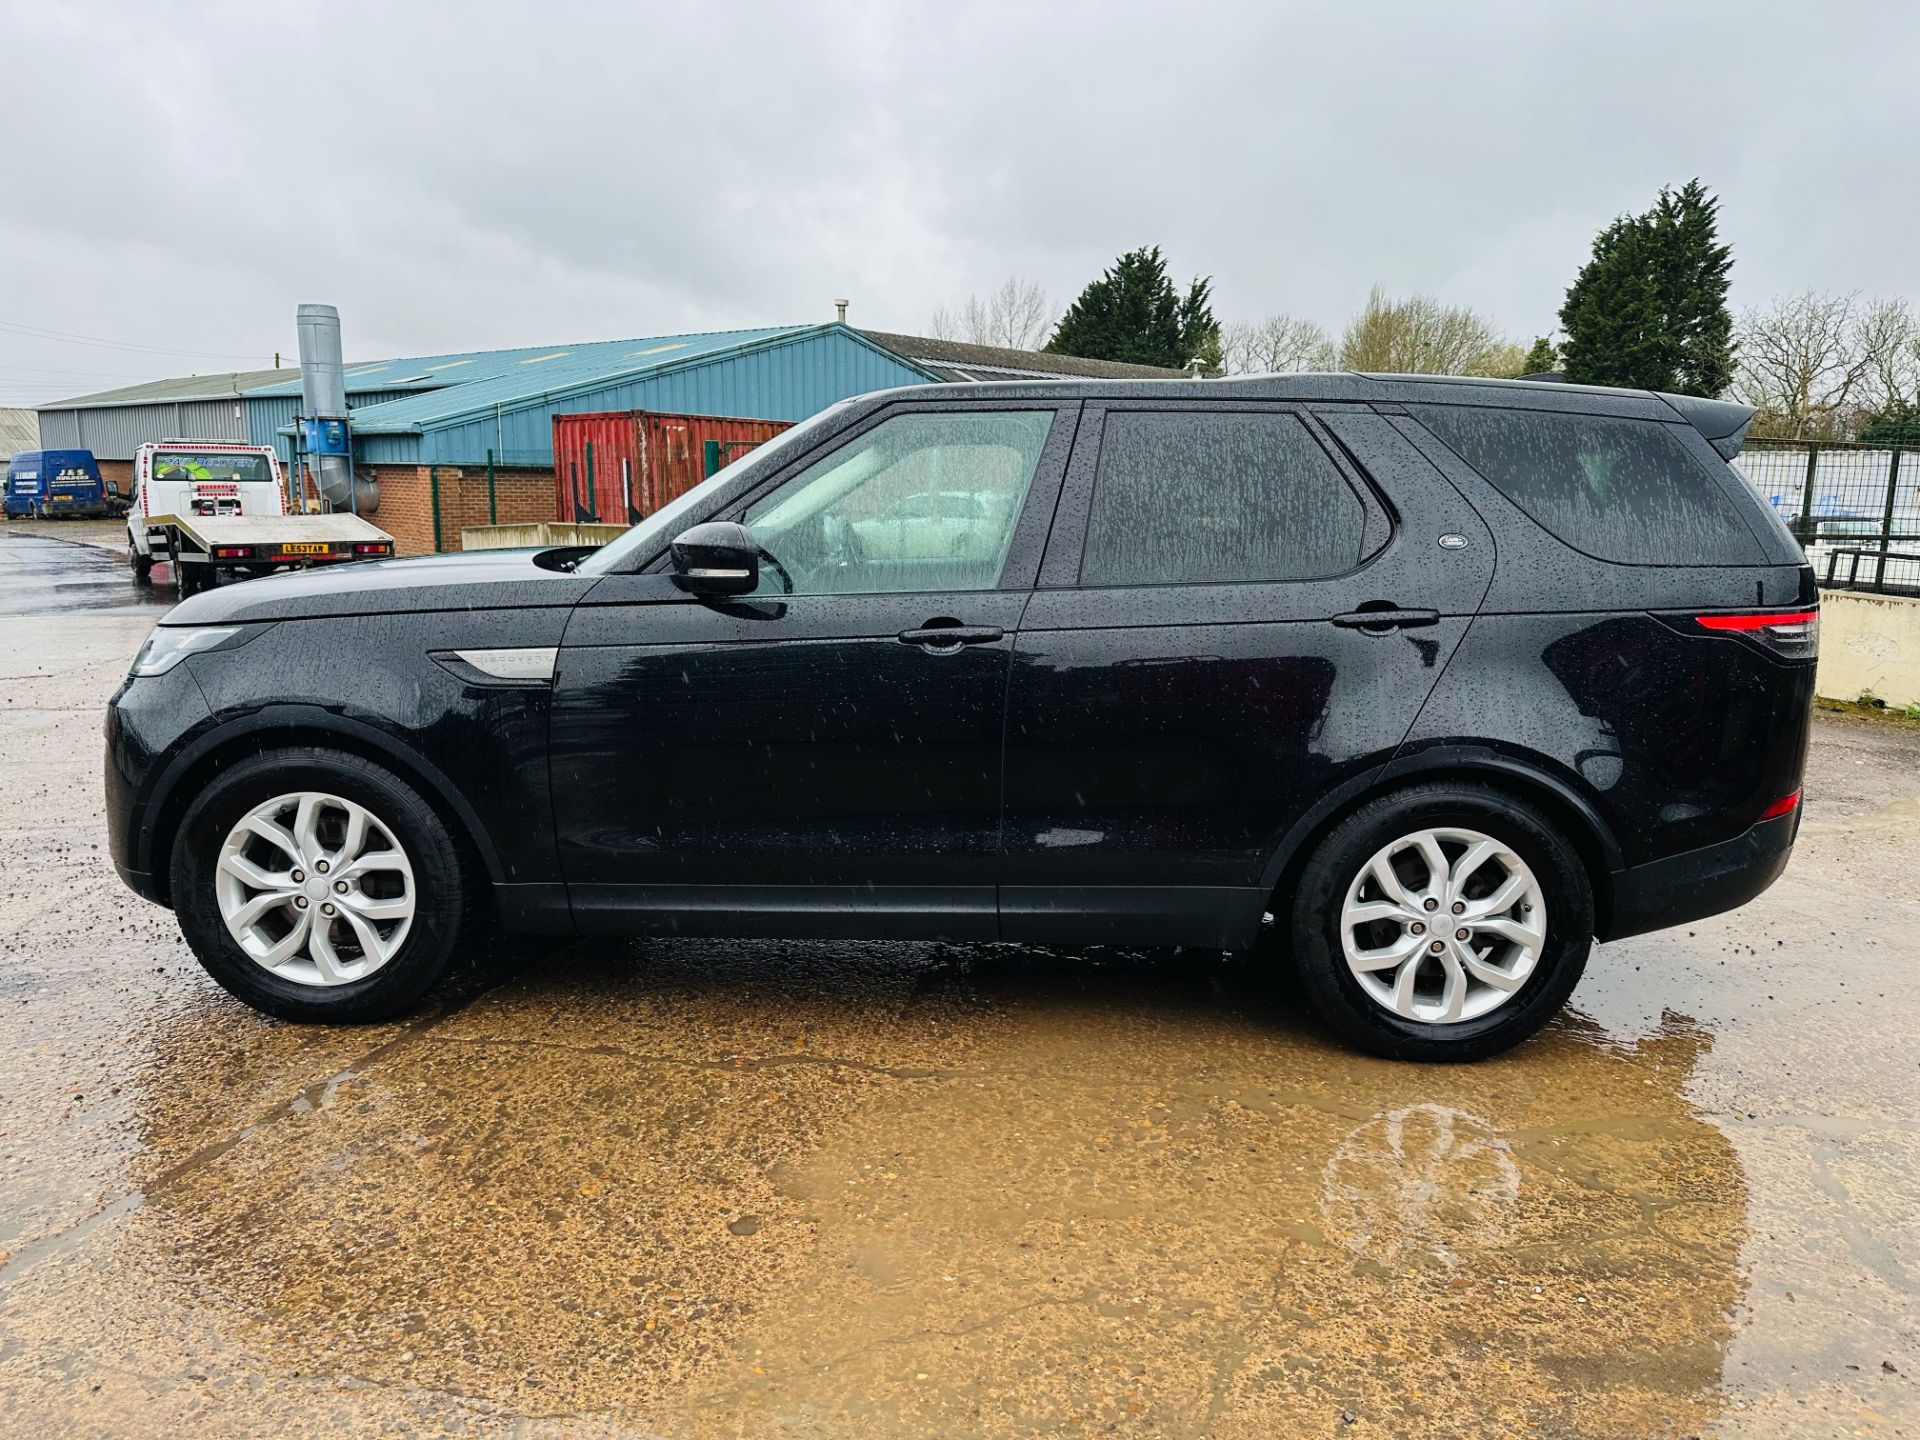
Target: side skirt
{"points": [[1212, 916], [809, 912], [1220, 917]]}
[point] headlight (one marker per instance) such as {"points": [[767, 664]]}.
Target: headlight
{"points": [[168, 645]]}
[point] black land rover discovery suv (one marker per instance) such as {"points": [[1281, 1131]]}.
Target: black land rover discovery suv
{"points": [[1447, 677]]}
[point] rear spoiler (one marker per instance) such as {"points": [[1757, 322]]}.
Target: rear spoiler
{"points": [[1721, 423]]}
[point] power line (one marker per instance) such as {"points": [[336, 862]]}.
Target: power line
{"points": [[90, 374], [52, 388], [68, 338], [53, 395], [21, 382]]}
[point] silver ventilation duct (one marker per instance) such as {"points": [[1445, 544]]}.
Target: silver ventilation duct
{"points": [[323, 391]]}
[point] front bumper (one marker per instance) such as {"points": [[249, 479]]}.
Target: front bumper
{"points": [[1701, 882], [147, 721], [141, 883]]}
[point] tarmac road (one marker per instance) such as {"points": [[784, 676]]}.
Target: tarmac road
{"points": [[805, 1190]]}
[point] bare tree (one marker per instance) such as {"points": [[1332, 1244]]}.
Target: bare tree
{"points": [[1017, 316], [977, 321], [1888, 335], [1025, 316], [1803, 364], [1420, 336], [1275, 345]]}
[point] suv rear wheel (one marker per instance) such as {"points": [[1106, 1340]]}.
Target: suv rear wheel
{"points": [[1448, 921], [316, 885]]}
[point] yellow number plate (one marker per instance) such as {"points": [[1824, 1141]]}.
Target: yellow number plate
{"points": [[306, 549]]}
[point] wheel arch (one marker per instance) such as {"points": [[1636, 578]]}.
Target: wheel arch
{"points": [[1518, 776], [286, 727]]}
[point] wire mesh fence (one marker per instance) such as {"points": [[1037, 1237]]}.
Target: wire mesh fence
{"points": [[1855, 508]]}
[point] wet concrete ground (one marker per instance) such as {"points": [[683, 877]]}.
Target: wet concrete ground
{"points": [[44, 572], [755, 1189]]}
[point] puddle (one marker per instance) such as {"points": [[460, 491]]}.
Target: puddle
{"points": [[41, 576], [1002, 1191]]}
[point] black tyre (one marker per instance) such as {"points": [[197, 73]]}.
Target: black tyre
{"points": [[1447, 921], [142, 566], [316, 885]]}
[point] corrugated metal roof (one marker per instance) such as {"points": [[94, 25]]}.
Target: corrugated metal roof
{"points": [[532, 369], [181, 387], [787, 378], [479, 379], [998, 363], [565, 372], [440, 394], [19, 430]]}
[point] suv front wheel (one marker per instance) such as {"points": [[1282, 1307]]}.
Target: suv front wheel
{"points": [[316, 885], [1447, 921]]}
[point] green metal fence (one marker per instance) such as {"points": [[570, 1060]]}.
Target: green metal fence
{"points": [[1854, 507]]}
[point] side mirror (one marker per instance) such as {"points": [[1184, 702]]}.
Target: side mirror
{"points": [[717, 558]]}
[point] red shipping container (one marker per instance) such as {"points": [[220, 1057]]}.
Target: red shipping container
{"points": [[640, 459]]}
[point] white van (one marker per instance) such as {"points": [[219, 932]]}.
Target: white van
{"points": [[199, 477]]}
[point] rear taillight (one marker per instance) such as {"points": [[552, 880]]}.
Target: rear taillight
{"points": [[1785, 805], [373, 547], [1790, 634]]}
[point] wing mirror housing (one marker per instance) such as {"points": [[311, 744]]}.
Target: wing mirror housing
{"points": [[717, 558]]}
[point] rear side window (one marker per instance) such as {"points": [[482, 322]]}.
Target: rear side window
{"points": [[1619, 490], [1187, 497]]}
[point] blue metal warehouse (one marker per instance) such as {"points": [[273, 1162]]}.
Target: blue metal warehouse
{"points": [[455, 409]]}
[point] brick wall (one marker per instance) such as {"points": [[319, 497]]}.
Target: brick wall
{"points": [[406, 501]]}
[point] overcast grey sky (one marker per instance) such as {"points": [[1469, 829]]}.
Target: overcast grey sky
{"points": [[497, 174]]}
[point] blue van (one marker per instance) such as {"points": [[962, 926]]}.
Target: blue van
{"points": [[56, 483]]}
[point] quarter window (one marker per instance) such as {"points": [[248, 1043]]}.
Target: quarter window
{"points": [[918, 503], [1619, 490], [1189, 497]]}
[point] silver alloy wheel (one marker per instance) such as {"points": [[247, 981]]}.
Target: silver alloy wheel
{"points": [[1443, 925], [315, 888]]}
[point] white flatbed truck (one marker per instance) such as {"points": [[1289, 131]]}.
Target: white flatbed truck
{"points": [[208, 506], [199, 546]]}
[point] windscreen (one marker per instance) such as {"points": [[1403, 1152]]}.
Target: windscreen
{"points": [[210, 465]]}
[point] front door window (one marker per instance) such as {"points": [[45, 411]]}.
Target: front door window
{"points": [[919, 503]]}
